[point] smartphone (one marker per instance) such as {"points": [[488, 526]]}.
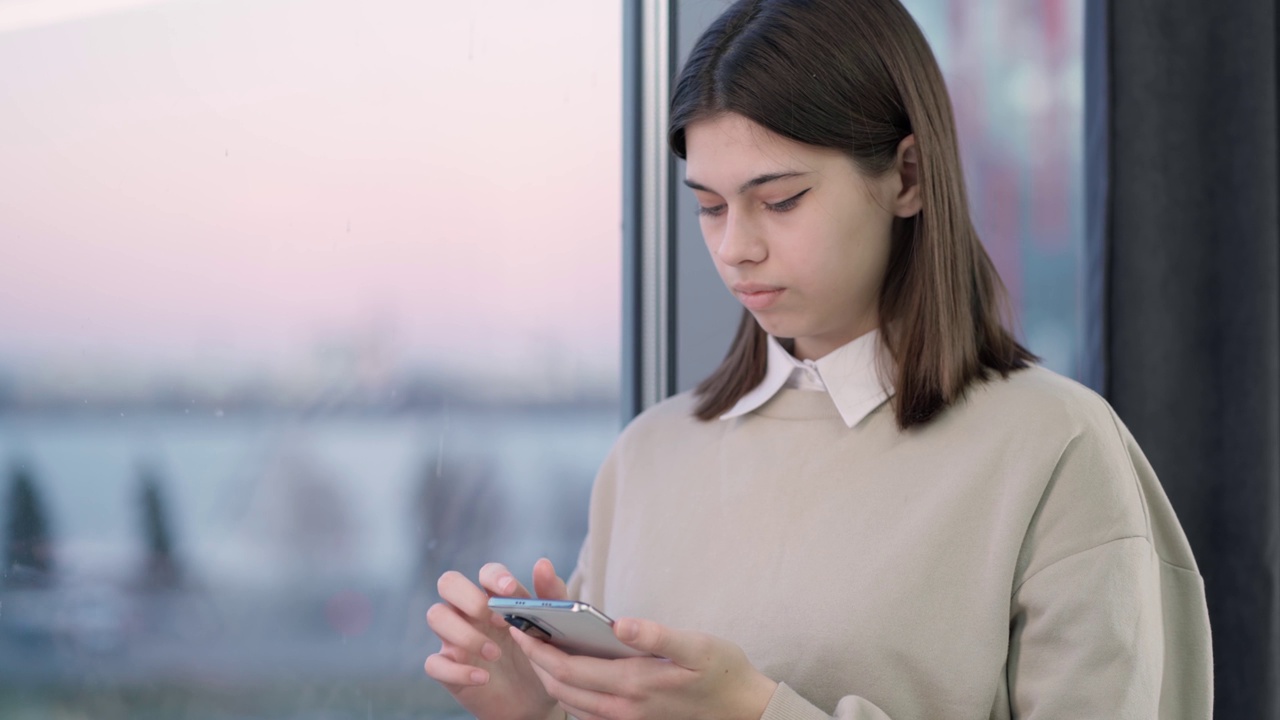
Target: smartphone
{"points": [[575, 627]]}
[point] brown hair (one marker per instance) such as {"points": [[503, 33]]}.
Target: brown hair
{"points": [[860, 77]]}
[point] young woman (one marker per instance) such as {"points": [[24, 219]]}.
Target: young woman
{"points": [[877, 507]]}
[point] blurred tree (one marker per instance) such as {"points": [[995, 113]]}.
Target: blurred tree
{"points": [[569, 513], [299, 525], [317, 528], [458, 516], [160, 569], [28, 548]]}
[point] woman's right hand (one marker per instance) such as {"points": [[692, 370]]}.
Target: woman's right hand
{"points": [[478, 662]]}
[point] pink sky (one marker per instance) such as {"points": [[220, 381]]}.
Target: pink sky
{"points": [[249, 177]]}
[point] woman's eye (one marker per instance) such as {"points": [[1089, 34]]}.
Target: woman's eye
{"points": [[783, 206], [789, 203]]}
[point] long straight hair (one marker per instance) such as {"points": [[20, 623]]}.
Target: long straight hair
{"points": [[858, 76]]}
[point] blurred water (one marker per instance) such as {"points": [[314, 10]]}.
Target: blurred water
{"points": [[306, 552]]}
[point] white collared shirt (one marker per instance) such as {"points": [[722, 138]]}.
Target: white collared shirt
{"points": [[849, 374]]}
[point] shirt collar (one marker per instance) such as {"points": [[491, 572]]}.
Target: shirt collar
{"points": [[850, 373]]}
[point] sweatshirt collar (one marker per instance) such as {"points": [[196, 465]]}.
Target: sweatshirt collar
{"points": [[850, 374]]}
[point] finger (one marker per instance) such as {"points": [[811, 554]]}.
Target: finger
{"points": [[498, 580], [585, 704], [574, 701], [579, 713], [686, 649], [469, 599], [453, 652], [457, 631], [546, 583], [576, 671], [445, 670]]}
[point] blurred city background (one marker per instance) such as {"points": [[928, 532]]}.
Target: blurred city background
{"points": [[303, 302]]}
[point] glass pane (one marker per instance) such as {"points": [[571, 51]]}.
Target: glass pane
{"points": [[1015, 70], [303, 303]]}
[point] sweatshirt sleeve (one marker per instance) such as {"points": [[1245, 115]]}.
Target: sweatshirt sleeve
{"points": [[1086, 639], [1106, 589], [1086, 643], [1107, 610], [786, 704]]}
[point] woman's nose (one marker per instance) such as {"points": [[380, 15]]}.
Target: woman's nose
{"points": [[740, 242]]}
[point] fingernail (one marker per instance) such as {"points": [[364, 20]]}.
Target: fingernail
{"points": [[507, 584], [479, 677], [627, 630], [490, 652]]}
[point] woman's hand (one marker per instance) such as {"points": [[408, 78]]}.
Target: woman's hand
{"points": [[693, 675], [478, 663]]}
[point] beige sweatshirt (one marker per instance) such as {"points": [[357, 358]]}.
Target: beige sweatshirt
{"points": [[1014, 558]]}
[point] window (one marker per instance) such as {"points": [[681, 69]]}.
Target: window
{"points": [[304, 302], [1015, 71]]}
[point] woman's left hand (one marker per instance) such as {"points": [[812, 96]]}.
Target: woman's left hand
{"points": [[692, 675]]}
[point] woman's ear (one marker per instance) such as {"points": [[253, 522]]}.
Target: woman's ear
{"points": [[907, 167]]}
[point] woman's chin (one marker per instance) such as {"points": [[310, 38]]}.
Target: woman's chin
{"points": [[771, 324]]}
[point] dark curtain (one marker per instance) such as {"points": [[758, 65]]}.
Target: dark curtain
{"points": [[1183, 243]]}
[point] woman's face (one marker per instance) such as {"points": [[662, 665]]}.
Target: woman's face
{"points": [[797, 233]]}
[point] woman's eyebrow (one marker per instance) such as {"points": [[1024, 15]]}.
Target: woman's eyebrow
{"points": [[753, 182]]}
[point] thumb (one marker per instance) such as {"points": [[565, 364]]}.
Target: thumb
{"points": [[686, 649], [546, 584]]}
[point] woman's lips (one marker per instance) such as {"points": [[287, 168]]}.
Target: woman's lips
{"points": [[757, 297]]}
